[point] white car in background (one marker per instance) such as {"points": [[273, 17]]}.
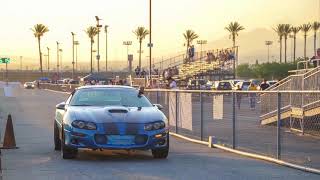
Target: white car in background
{"points": [[244, 85], [29, 85]]}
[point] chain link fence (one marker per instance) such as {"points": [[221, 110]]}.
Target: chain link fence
{"points": [[246, 121]]}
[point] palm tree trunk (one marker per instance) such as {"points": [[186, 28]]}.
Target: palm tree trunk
{"points": [[187, 54], [315, 43], [294, 48], [234, 62], [140, 54], [91, 65], [305, 47], [285, 49], [280, 49], [39, 42]]}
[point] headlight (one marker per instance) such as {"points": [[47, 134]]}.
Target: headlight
{"points": [[84, 125], [154, 126], [148, 127]]}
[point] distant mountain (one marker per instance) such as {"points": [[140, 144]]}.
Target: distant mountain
{"points": [[252, 45]]}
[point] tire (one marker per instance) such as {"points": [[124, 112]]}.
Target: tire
{"points": [[57, 141], [161, 153], [67, 152]]}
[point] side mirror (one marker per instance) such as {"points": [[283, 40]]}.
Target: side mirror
{"points": [[159, 106], [141, 92], [61, 106]]}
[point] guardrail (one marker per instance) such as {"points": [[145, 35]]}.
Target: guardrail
{"points": [[233, 119]]}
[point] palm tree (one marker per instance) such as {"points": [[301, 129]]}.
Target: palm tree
{"points": [[141, 34], [295, 31], [234, 28], [279, 30], [91, 32], [286, 32], [305, 28], [38, 31], [315, 27], [190, 36]]}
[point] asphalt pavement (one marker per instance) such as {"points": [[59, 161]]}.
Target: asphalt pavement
{"points": [[33, 116]]}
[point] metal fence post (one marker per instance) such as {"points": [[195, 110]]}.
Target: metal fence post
{"points": [[233, 120], [158, 97], [176, 112], [201, 117], [279, 128]]}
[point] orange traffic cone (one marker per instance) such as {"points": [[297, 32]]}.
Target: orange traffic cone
{"points": [[9, 141]]}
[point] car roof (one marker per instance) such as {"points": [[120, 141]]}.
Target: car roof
{"points": [[105, 87]]}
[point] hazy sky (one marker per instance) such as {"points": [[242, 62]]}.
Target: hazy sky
{"points": [[170, 19]]}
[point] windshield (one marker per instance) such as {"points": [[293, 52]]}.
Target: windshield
{"points": [[109, 97]]}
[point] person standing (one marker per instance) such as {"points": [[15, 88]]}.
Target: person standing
{"points": [[315, 63], [264, 85], [172, 83], [252, 96], [192, 52], [239, 96], [137, 71]]}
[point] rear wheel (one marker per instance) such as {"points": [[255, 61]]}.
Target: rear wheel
{"points": [[57, 141], [161, 153], [67, 152]]}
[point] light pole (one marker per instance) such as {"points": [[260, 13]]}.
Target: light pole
{"points": [[268, 44], [61, 66], [73, 34], [20, 63], [58, 57], [98, 42], [76, 43], [150, 39], [106, 31], [127, 43], [46, 55], [93, 65], [201, 42], [48, 49]]}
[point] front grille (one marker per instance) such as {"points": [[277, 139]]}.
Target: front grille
{"points": [[122, 128], [132, 129], [111, 129], [102, 139]]}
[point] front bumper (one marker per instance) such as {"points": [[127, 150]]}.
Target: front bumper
{"points": [[86, 139]]}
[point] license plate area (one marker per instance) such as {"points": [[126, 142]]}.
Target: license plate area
{"points": [[120, 140]]}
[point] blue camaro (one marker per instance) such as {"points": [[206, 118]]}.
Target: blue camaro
{"points": [[110, 117]]}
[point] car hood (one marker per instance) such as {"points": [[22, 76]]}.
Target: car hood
{"points": [[116, 114]]}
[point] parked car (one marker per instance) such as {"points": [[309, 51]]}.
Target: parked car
{"points": [[244, 85], [197, 84], [73, 82], [60, 82], [222, 85], [271, 83], [110, 117], [29, 85], [66, 81], [235, 81]]}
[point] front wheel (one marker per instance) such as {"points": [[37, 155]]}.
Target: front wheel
{"points": [[161, 153], [57, 141], [67, 152]]}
